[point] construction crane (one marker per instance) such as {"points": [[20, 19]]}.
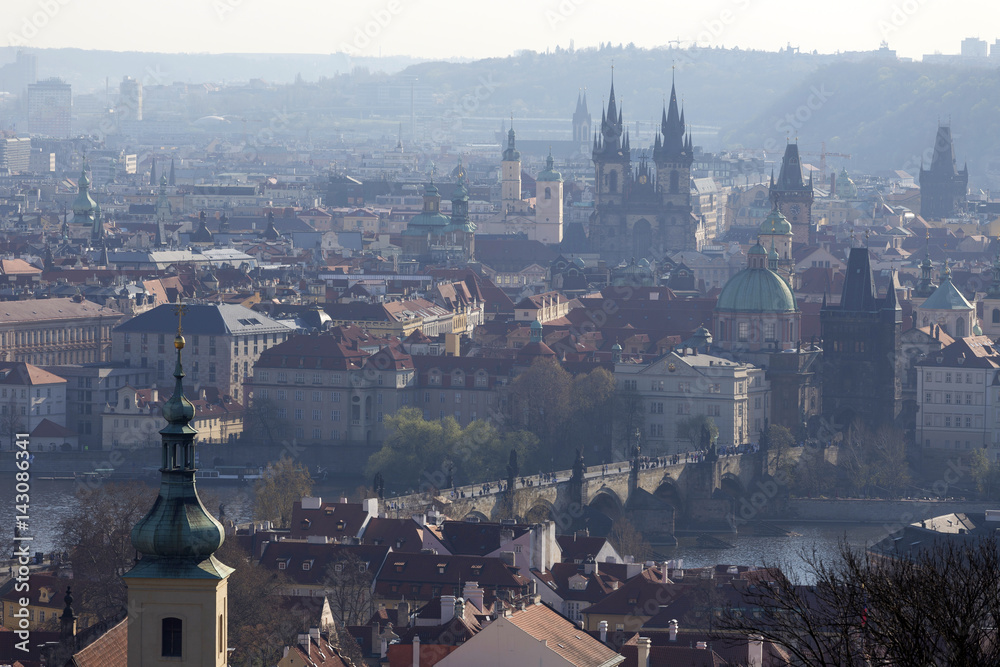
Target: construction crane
{"points": [[822, 153]]}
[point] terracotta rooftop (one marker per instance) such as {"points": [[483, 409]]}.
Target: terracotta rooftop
{"points": [[562, 636]]}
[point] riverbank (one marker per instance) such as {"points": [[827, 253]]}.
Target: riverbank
{"points": [[866, 511]]}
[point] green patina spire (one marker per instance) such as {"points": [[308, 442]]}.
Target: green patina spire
{"points": [[178, 536]]}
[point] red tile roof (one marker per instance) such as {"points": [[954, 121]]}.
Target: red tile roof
{"points": [[562, 636], [110, 650]]}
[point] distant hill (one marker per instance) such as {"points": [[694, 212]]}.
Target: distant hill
{"points": [[886, 114], [86, 69]]}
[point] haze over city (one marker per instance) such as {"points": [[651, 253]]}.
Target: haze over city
{"points": [[448, 29], [467, 334]]}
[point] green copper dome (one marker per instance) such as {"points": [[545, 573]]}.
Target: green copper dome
{"points": [[756, 290], [84, 205], [776, 224], [178, 536], [430, 220], [549, 175]]}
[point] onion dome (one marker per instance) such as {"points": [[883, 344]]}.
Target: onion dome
{"points": [[776, 225], [549, 174], [178, 536]]}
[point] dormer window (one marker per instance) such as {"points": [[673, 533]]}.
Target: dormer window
{"points": [[283, 564], [305, 524], [307, 565], [341, 524]]}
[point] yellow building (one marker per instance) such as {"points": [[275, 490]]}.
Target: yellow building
{"points": [[45, 594]]}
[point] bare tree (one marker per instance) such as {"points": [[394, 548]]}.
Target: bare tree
{"points": [[629, 541], [262, 424], [939, 606], [282, 483], [349, 585], [97, 536]]}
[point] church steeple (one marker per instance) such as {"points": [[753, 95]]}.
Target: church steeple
{"points": [[178, 589]]}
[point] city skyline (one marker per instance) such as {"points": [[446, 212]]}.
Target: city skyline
{"points": [[451, 29]]}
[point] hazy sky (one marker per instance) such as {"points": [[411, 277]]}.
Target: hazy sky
{"points": [[476, 29]]}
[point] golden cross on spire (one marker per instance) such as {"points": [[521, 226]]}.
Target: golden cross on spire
{"points": [[180, 310]]}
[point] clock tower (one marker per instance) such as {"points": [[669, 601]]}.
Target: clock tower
{"points": [[792, 196]]}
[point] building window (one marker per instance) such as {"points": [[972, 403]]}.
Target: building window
{"points": [[298, 396], [335, 396], [171, 629], [743, 331], [947, 399], [769, 331]]}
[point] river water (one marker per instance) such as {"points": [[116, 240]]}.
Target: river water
{"points": [[53, 500]]}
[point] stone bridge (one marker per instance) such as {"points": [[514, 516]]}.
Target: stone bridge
{"points": [[690, 497]]}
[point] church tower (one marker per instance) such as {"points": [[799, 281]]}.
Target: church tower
{"points": [[793, 196], [163, 214], [991, 303], [942, 187], [612, 157], [177, 592], [775, 233], [581, 121], [673, 154], [510, 169], [549, 203]]}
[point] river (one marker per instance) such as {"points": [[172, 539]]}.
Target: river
{"points": [[52, 501]]}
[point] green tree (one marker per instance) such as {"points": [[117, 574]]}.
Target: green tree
{"points": [[986, 473], [539, 400], [282, 483], [419, 453]]}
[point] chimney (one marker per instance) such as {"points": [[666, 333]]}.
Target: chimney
{"points": [[755, 651], [403, 614], [666, 572], [703, 646], [314, 635], [447, 608], [642, 652], [673, 629], [590, 565], [305, 644], [460, 608], [416, 650], [474, 594], [604, 631]]}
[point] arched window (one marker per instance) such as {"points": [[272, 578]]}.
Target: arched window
{"points": [[960, 327], [548, 193], [674, 182], [171, 629], [613, 181], [996, 316]]}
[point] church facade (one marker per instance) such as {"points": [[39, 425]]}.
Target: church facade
{"points": [[643, 210]]}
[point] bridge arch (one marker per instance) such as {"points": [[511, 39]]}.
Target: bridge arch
{"points": [[608, 503], [669, 491], [475, 514], [541, 510], [732, 485]]}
